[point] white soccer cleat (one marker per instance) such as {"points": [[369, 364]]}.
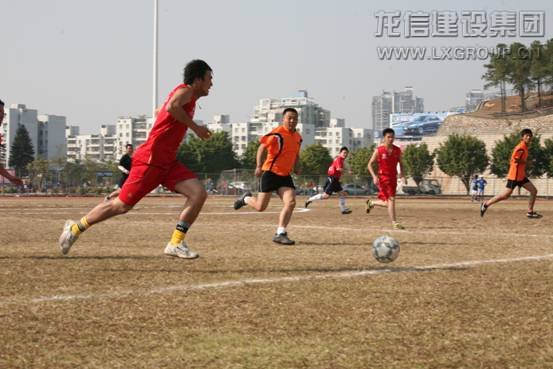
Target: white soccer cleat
{"points": [[67, 238], [180, 251]]}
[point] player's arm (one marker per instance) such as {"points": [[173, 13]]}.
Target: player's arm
{"points": [[297, 165], [401, 171], [370, 166], [174, 107], [517, 157], [13, 179], [259, 159], [122, 169]]}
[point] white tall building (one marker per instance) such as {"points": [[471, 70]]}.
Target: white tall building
{"points": [[132, 130], [45, 131], [100, 147]]}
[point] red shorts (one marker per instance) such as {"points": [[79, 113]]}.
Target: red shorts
{"points": [[144, 178], [387, 188]]}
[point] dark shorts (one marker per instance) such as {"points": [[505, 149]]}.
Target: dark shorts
{"points": [[514, 184], [272, 182], [332, 185]]}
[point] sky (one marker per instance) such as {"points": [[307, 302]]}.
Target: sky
{"points": [[91, 61]]}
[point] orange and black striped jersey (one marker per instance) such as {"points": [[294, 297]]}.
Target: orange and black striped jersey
{"points": [[517, 168], [283, 148]]}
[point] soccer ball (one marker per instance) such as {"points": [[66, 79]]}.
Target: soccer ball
{"points": [[385, 249]]}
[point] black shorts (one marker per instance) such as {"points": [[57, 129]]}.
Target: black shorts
{"points": [[272, 182], [514, 184], [332, 185]]}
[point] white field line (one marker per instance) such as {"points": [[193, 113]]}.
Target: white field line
{"points": [[261, 281]]}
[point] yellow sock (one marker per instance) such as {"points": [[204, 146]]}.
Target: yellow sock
{"points": [[177, 237], [79, 227]]}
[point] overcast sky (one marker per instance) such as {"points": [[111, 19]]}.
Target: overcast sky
{"points": [[92, 60]]}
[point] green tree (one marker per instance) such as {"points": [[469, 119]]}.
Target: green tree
{"points": [[315, 160], [209, 156], [358, 161], [548, 153], [519, 61], [538, 67], [22, 152], [501, 156], [39, 172], [248, 159], [462, 156], [72, 175], [417, 161], [496, 73]]}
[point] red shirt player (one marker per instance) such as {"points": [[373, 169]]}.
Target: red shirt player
{"points": [[332, 184], [155, 163], [388, 157]]}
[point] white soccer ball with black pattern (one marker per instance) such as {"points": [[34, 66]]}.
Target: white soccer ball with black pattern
{"points": [[385, 249]]}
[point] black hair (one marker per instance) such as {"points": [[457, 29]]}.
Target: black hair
{"points": [[388, 130], [343, 148], [289, 110], [1, 103], [127, 145], [526, 131], [195, 69]]}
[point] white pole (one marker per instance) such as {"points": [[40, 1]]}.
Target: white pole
{"points": [[154, 100]]}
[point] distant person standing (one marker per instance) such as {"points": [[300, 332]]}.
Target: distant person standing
{"points": [[481, 187], [3, 172], [474, 188], [124, 166]]}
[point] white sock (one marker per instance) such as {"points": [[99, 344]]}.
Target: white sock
{"points": [[246, 199], [316, 197], [342, 202], [281, 230]]}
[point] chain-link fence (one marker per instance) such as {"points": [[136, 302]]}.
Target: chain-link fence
{"points": [[236, 181]]}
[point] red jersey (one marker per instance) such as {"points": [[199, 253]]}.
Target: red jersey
{"points": [[160, 149], [388, 160], [338, 163]]}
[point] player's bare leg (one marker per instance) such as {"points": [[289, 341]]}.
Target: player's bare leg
{"points": [[260, 202], [500, 197], [529, 186], [196, 195], [102, 211], [288, 197]]}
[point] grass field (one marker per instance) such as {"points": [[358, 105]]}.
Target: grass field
{"points": [[465, 292]]}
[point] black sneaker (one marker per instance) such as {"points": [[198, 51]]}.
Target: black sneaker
{"points": [[240, 202], [307, 203], [533, 215], [283, 239], [346, 211], [483, 209]]}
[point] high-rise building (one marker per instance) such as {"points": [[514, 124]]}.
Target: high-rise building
{"points": [[132, 130], [394, 102], [47, 132], [382, 107]]}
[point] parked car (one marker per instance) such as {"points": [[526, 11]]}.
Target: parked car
{"points": [[355, 190], [425, 187]]}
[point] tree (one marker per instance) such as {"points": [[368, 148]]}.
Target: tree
{"points": [[417, 161], [315, 160], [519, 62], [548, 153], [501, 156], [358, 161], [538, 67], [496, 73], [462, 156], [248, 159], [209, 156], [39, 172], [22, 152]]}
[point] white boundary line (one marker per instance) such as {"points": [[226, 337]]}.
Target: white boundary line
{"points": [[262, 281]]}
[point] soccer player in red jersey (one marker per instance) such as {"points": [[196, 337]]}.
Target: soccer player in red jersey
{"points": [[3, 172], [282, 145], [517, 177], [388, 157], [332, 184], [155, 162]]}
